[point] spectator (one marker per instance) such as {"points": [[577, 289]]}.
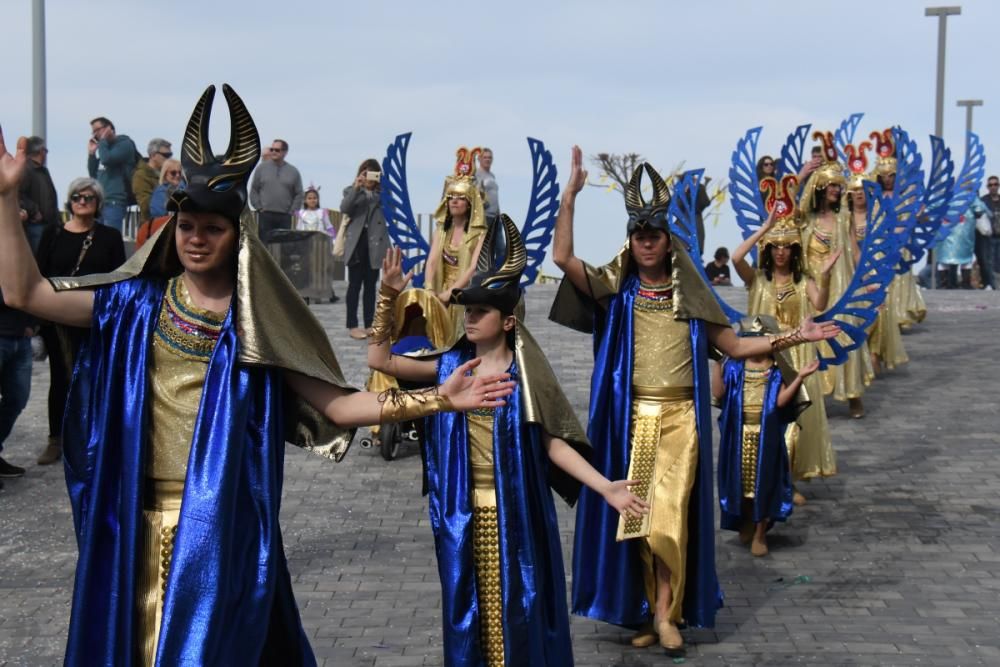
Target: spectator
{"points": [[365, 244], [171, 178], [147, 175], [81, 247], [276, 191], [488, 184], [718, 269], [766, 167], [112, 160], [16, 330], [37, 195], [988, 247], [955, 251], [314, 218]]}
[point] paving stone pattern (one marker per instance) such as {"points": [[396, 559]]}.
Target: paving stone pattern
{"points": [[895, 561]]}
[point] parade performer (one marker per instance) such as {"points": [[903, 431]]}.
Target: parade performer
{"points": [[653, 318], [488, 473], [458, 234], [827, 228], [178, 415], [758, 398]]}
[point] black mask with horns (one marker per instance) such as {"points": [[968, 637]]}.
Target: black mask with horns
{"points": [[647, 215]]}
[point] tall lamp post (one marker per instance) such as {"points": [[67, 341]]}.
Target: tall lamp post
{"points": [[942, 14], [969, 106], [38, 127]]}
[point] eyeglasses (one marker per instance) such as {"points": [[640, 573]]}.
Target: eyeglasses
{"points": [[167, 155], [174, 172], [86, 199], [276, 150], [993, 185]]}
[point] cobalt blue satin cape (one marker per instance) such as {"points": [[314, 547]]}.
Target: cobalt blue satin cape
{"points": [[535, 617], [773, 491], [607, 575], [229, 596]]}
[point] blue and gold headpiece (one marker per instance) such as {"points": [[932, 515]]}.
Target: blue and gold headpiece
{"points": [[217, 184]]}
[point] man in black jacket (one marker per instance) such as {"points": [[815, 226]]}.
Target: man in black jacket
{"points": [[37, 195], [16, 329]]}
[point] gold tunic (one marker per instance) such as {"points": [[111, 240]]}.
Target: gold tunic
{"points": [[754, 387], [809, 445], [486, 537], [182, 347], [847, 380]]}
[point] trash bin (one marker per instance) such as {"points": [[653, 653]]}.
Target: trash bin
{"points": [[306, 260]]}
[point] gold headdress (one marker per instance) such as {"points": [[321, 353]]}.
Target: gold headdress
{"points": [[885, 147], [857, 163], [780, 198], [831, 172], [463, 184]]}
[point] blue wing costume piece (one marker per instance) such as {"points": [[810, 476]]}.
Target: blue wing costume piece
{"points": [[543, 207], [845, 134], [401, 223], [744, 189], [793, 152], [683, 225], [966, 186], [936, 197]]}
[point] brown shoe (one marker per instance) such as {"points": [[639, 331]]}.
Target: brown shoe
{"points": [[645, 637], [670, 636], [51, 453], [856, 408], [358, 334]]}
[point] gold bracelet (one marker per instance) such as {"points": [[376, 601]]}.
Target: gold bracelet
{"points": [[786, 340], [399, 405], [383, 322]]}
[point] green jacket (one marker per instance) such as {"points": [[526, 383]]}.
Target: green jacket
{"points": [[144, 181]]}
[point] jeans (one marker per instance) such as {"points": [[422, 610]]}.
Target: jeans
{"points": [[15, 381], [113, 214], [34, 233], [984, 257], [995, 245]]}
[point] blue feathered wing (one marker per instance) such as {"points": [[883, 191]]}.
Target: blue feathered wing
{"points": [[793, 152], [845, 134], [540, 220], [966, 187], [744, 189], [935, 201], [400, 221]]}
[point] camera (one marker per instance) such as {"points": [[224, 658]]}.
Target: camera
{"points": [[373, 175]]}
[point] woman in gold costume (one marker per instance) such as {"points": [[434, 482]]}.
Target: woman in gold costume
{"points": [[488, 472], [176, 421], [827, 228], [654, 319], [458, 236], [784, 289]]}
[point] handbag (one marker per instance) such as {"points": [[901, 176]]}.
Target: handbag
{"points": [[983, 226], [338, 243]]}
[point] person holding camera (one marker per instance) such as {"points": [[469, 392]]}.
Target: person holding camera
{"points": [[111, 162], [365, 243]]}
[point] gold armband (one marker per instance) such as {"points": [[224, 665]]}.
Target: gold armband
{"points": [[383, 321], [786, 340], [399, 405]]}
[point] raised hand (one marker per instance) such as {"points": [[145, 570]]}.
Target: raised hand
{"points": [[12, 166], [813, 332], [809, 369], [392, 270], [468, 392], [577, 174], [619, 495]]}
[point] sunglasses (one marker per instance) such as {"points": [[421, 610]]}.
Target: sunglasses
{"points": [[167, 154], [276, 150], [174, 172], [993, 185], [86, 199], [768, 164]]}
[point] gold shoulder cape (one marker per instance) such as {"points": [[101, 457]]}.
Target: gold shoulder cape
{"points": [[693, 299], [274, 325]]}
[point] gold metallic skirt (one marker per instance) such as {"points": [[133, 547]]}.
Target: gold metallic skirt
{"points": [[160, 515], [664, 458]]}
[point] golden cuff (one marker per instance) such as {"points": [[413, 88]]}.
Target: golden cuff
{"points": [[382, 324], [399, 405], [786, 340]]}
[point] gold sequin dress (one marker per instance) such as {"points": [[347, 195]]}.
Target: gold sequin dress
{"points": [[847, 380], [809, 445], [183, 342], [754, 387]]}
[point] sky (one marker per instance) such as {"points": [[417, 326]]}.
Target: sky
{"points": [[678, 82]]}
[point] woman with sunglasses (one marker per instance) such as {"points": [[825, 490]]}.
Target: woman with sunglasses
{"points": [[81, 247], [171, 180]]}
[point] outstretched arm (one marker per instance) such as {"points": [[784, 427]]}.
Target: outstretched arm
{"points": [[617, 494], [562, 242], [737, 347], [789, 390], [23, 286]]}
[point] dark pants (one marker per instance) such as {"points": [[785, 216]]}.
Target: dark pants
{"points": [[15, 381], [984, 257], [62, 351], [269, 221], [360, 274]]}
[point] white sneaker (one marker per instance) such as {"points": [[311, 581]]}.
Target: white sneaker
{"points": [[988, 288]]}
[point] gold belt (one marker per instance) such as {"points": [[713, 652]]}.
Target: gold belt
{"points": [[663, 393], [751, 418], [162, 495]]}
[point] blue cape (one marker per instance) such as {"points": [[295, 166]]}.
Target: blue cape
{"points": [[607, 575], [228, 597], [535, 618], [773, 492]]}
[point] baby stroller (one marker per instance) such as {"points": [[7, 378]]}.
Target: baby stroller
{"points": [[420, 325]]}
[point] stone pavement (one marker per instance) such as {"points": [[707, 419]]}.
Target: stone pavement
{"points": [[895, 561]]}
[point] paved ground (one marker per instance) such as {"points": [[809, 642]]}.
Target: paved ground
{"points": [[896, 561]]}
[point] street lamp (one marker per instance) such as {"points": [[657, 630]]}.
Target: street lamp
{"points": [[969, 106], [942, 14], [38, 127]]}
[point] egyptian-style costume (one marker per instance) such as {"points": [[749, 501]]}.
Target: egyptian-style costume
{"points": [[848, 380], [754, 475], [809, 444], [174, 445], [488, 476], [456, 259], [650, 421]]}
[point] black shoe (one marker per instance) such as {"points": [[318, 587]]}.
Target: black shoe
{"points": [[8, 470]]}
